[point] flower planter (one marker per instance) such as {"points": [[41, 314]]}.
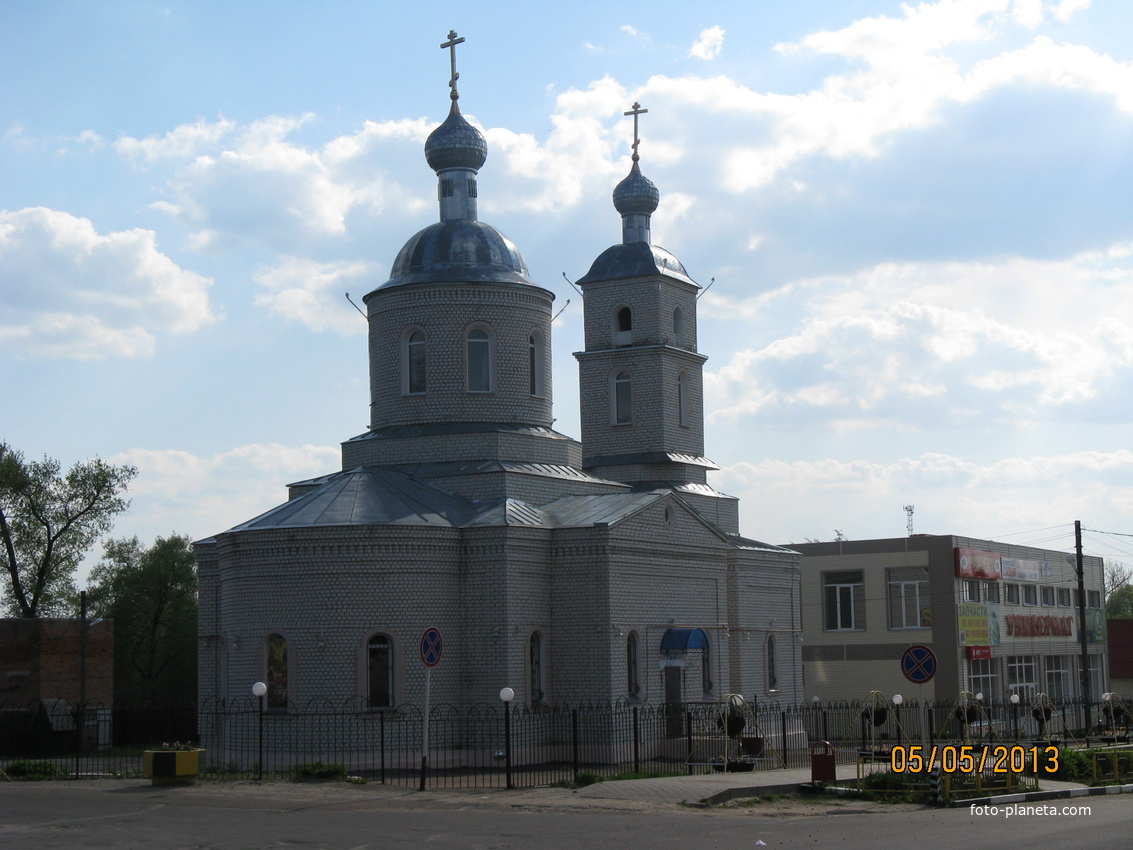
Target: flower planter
{"points": [[165, 767]]}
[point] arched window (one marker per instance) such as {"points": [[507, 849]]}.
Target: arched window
{"points": [[772, 664], [535, 667], [678, 327], [478, 356], [623, 327], [379, 672], [535, 364], [413, 360], [277, 673], [622, 399], [706, 671], [633, 671], [682, 398]]}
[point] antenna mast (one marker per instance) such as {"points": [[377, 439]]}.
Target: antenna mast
{"points": [[909, 519]]}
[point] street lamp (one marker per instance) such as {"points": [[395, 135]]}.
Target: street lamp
{"points": [[897, 701], [507, 695], [258, 690], [1014, 699]]}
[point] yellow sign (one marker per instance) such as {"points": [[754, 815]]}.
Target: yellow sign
{"points": [[971, 621]]}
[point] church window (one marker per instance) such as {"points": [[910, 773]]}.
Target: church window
{"points": [[678, 327], [535, 667], [379, 672], [633, 668], [471, 188], [772, 665], [277, 673], [622, 399], [479, 361], [446, 187], [682, 398], [414, 359], [623, 327], [706, 671], [535, 364]]}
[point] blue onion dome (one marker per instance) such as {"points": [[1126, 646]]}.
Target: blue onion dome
{"points": [[636, 194], [459, 251], [455, 144]]}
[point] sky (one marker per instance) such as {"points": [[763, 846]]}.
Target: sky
{"points": [[913, 223]]}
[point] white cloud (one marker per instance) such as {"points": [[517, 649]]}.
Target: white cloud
{"points": [[204, 495], [181, 142], [952, 495], [709, 44], [923, 343], [312, 293], [68, 292]]}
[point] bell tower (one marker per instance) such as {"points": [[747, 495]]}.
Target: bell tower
{"points": [[642, 387]]}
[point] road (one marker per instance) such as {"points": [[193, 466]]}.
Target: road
{"points": [[125, 815]]}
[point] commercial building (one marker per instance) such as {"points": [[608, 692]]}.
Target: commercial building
{"points": [[1000, 619]]}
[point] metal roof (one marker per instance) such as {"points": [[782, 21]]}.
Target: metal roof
{"points": [[635, 259]]}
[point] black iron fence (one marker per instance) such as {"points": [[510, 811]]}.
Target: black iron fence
{"points": [[498, 745]]}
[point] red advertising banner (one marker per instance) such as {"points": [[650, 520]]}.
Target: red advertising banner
{"points": [[972, 563], [1039, 625], [977, 652]]}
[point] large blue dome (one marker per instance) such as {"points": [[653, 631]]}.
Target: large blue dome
{"points": [[458, 251]]}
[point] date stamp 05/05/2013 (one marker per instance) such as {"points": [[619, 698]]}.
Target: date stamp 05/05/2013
{"points": [[967, 758]]}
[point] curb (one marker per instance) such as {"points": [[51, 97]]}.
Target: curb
{"points": [[1039, 796]]}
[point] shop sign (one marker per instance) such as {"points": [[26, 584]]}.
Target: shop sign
{"points": [[1039, 625], [971, 621], [1020, 569], [973, 563], [977, 652]]}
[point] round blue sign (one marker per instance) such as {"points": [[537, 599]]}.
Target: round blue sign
{"points": [[431, 647], [918, 663]]}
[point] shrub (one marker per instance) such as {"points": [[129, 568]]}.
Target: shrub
{"points": [[320, 770], [30, 770]]}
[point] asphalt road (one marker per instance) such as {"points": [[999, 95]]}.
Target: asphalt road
{"points": [[129, 814]]}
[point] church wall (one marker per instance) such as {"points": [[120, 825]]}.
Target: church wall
{"points": [[764, 603], [651, 301], [326, 591], [445, 313], [505, 596], [668, 573], [580, 611]]}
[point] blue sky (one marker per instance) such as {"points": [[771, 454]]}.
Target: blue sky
{"points": [[919, 220]]}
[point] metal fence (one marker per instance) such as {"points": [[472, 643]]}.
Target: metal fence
{"points": [[496, 745]]}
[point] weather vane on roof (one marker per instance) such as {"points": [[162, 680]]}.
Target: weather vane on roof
{"points": [[450, 45], [637, 110]]}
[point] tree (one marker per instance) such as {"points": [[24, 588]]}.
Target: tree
{"points": [[48, 521], [151, 594], [1119, 606], [1116, 575]]}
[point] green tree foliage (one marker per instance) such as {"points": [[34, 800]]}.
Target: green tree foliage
{"points": [[151, 594], [48, 522], [1119, 606]]}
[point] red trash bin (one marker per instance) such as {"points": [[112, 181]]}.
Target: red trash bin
{"points": [[824, 765]]}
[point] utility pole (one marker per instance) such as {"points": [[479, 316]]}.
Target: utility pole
{"points": [[82, 680], [1085, 669]]}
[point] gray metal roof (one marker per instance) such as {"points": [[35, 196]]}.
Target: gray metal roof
{"points": [[635, 259], [368, 496]]}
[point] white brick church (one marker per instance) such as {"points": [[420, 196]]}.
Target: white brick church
{"points": [[606, 569]]}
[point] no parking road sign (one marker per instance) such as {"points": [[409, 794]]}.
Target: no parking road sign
{"points": [[918, 663], [431, 647]]}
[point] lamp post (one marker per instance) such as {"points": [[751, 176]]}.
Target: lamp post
{"points": [[258, 690], [1014, 698], [897, 701], [507, 695]]}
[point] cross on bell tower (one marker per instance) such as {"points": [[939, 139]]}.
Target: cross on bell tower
{"points": [[450, 45], [637, 110]]}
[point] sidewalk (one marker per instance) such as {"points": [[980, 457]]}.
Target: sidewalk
{"points": [[721, 787]]}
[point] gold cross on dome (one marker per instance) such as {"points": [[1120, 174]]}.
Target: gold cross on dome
{"points": [[450, 45], [637, 110]]}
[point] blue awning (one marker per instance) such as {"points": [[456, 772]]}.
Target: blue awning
{"points": [[682, 640]]}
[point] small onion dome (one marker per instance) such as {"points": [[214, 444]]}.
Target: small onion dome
{"points": [[636, 194], [455, 144]]}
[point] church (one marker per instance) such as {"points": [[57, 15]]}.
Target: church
{"points": [[570, 571]]}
